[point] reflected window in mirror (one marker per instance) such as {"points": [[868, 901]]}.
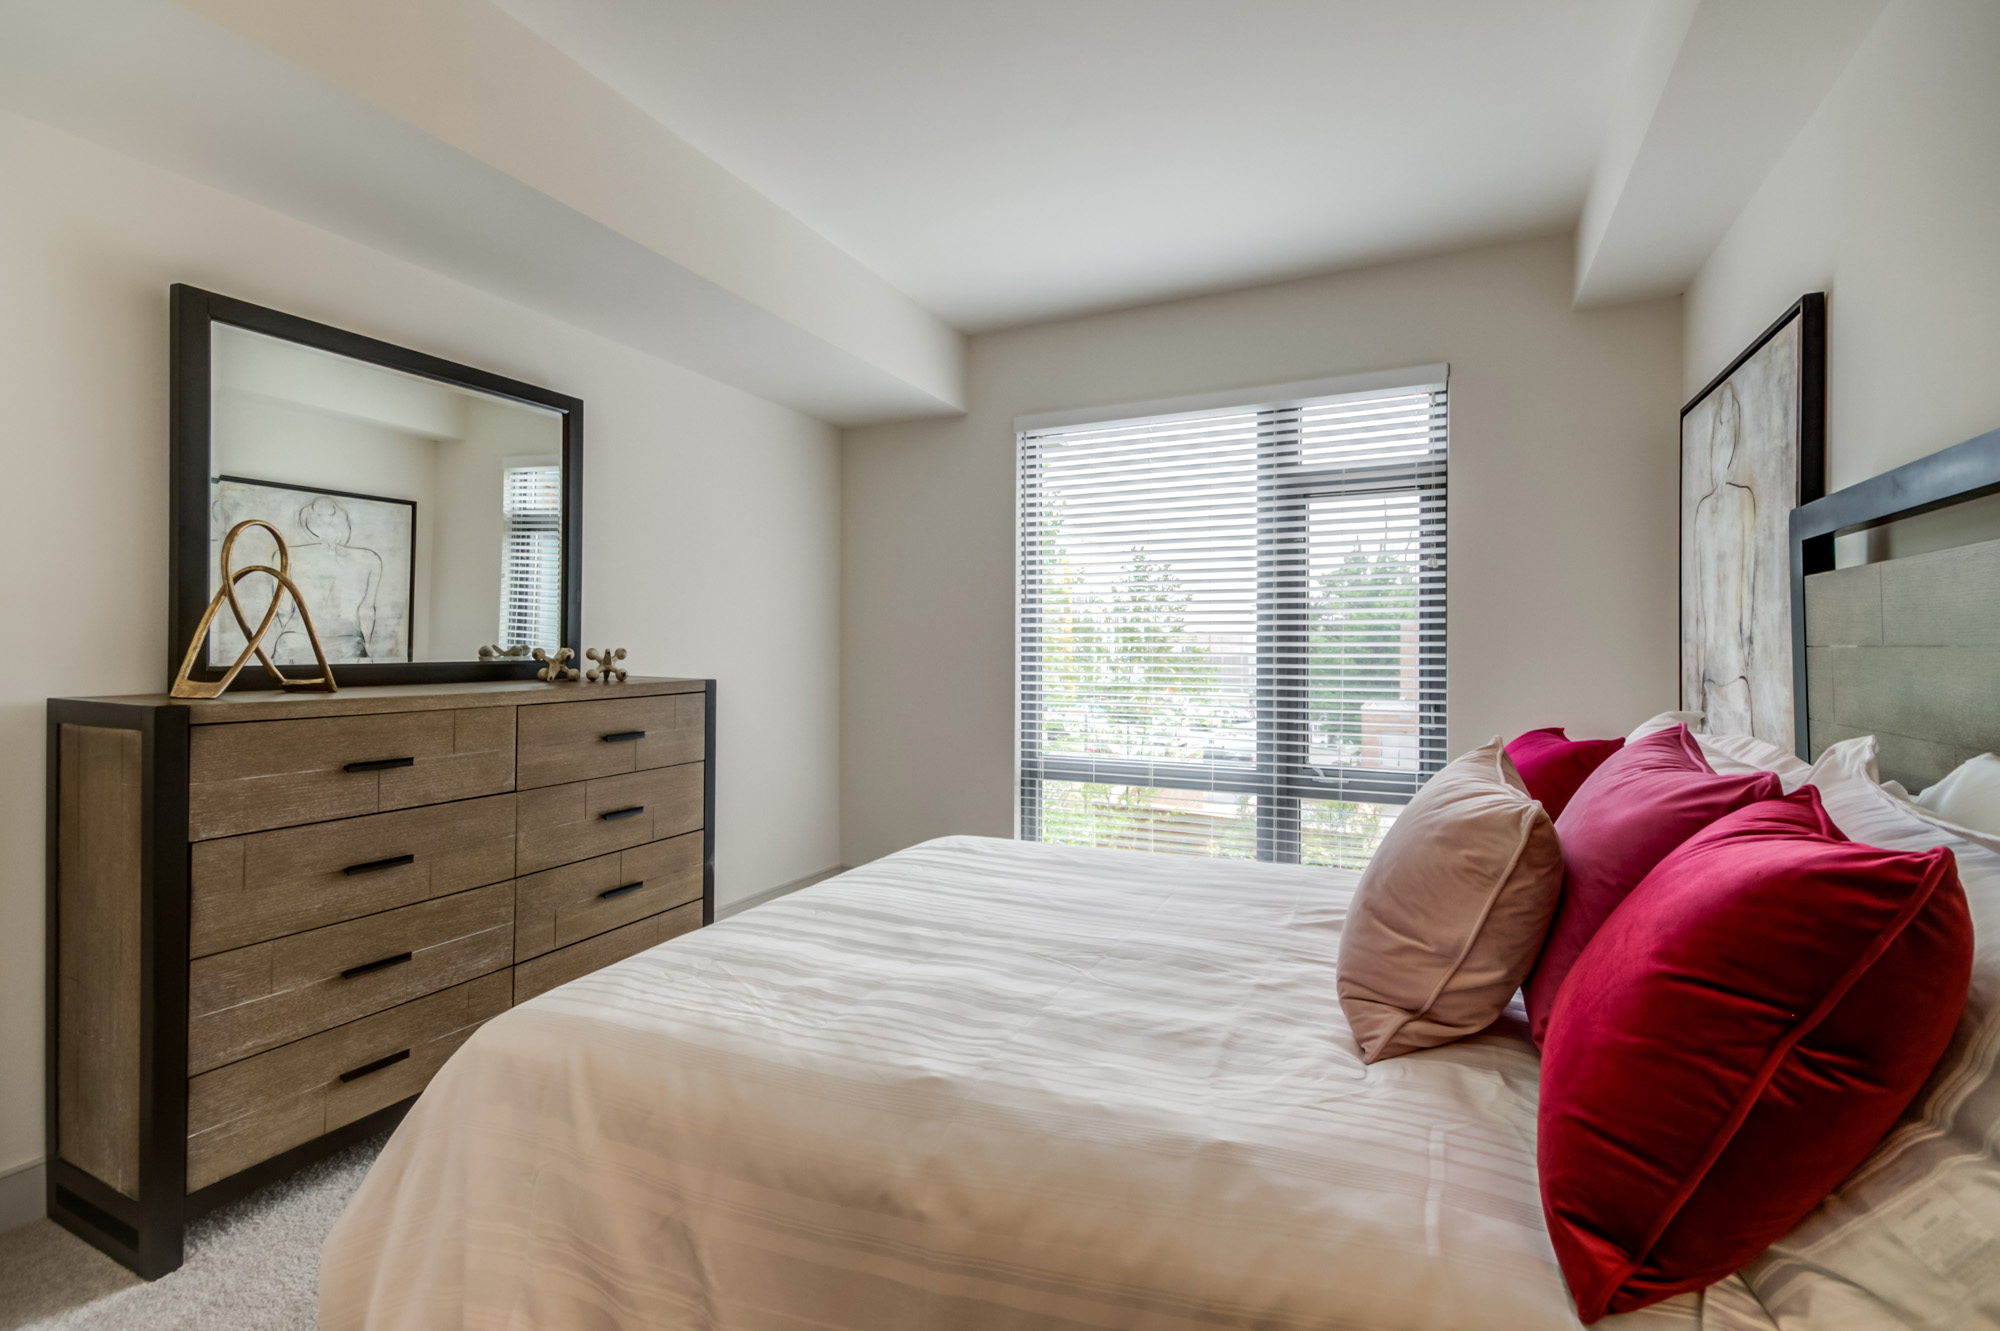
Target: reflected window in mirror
{"points": [[531, 555]]}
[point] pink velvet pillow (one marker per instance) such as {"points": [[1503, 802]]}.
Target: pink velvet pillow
{"points": [[1451, 911], [1733, 1042], [1553, 765], [1627, 816]]}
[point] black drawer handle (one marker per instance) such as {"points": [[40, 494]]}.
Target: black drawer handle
{"points": [[616, 814], [376, 1066], [375, 866], [384, 964], [380, 764], [620, 891], [624, 736]]}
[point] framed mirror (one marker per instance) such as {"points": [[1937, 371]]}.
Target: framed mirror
{"points": [[433, 512]]}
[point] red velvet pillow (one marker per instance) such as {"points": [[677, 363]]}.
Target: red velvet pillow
{"points": [[1552, 765], [1627, 816], [1734, 1041]]}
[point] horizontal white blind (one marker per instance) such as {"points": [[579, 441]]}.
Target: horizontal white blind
{"points": [[531, 557], [1232, 624]]}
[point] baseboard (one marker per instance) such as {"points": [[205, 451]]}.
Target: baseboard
{"points": [[783, 889], [24, 1195]]}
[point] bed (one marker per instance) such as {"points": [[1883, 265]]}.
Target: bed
{"points": [[977, 1084], [986, 1085]]}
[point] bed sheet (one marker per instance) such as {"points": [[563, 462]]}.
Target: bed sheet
{"points": [[979, 1085]]}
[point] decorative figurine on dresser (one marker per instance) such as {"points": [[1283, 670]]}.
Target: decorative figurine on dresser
{"points": [[272, 915]]}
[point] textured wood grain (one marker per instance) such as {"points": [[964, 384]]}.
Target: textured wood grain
{"points": [[98, 966], [562, 906], [266, 705], [543, 973], [254, 1109], [563, 824], [268, 884], [251, 999], [267, 774], [566, 742]]}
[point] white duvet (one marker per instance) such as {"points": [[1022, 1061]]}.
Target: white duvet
{"points": [[976, 1085]]}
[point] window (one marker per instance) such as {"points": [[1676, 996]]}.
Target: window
{"points": [[531, 557], [1232, 623]]}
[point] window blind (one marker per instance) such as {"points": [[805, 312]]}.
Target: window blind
{"points": [[1232, 625], [531, 557]]}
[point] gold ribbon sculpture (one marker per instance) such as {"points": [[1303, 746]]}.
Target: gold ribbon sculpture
{"points": [[281, 575]]}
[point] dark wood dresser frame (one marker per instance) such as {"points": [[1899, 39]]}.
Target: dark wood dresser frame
{"points": [[145, 1233]]}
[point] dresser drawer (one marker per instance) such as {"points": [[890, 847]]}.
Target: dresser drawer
{"points": [[256, 998], [562, 906], [543, 973], [575, 741], [254, 1109], [563, 824], [247, 889], [252, 775]]}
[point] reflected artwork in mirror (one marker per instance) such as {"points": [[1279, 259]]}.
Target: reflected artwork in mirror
{"points": [[431, 509]]}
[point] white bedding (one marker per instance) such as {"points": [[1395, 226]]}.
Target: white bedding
{"points": [[977, 1085]]}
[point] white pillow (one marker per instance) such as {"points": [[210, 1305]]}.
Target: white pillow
{"points": [[1849, 760], [1734, 754], [1911, 1240], [1664, 721], [1969, 796]]}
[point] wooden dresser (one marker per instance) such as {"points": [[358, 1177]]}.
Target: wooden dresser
{"points": [[273, 917]]}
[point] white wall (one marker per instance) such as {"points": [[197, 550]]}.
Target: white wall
{"points": [[711, 517], [259, 438], [1564, 464], [1889, 201]]}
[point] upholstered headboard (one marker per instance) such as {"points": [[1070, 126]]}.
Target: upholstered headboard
{"points": [[1907, 649]]}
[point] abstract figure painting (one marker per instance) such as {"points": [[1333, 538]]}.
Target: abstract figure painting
{"points": [[1753, 447], [353, 556]]}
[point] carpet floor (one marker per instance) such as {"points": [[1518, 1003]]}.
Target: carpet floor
{"points": [[251, 1266]]}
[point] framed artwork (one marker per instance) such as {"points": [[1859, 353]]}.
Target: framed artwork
{"points": [[353, 558], [1753, 448]]}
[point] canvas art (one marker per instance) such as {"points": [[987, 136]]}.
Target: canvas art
{"points": [[1752, 449], [353, 558]]}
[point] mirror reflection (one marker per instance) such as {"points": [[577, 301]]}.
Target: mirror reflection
{"points": [[424, 520]]}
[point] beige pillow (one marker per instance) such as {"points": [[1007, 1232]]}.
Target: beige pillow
{"points": [[1451, 911]]}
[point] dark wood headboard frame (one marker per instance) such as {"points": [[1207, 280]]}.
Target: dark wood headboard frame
{"points": [[1954, 475]]}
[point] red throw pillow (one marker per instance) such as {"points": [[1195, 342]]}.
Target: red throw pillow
{"points": [[1552, 765], [1734, 1041], [1627, 816]]}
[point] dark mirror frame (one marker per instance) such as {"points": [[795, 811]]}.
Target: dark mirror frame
{"points": [[195, 311]]}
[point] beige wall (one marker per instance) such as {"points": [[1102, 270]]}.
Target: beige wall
{"points": [[1564, 459], [711, 517], [1889, 201]]}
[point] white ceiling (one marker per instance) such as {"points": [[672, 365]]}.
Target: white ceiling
{"points": [[785, 195], [1720, 90], [1005, 161], [483, 153]]}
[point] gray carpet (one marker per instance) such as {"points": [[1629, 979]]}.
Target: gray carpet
{"points": [[251, 1266]]}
